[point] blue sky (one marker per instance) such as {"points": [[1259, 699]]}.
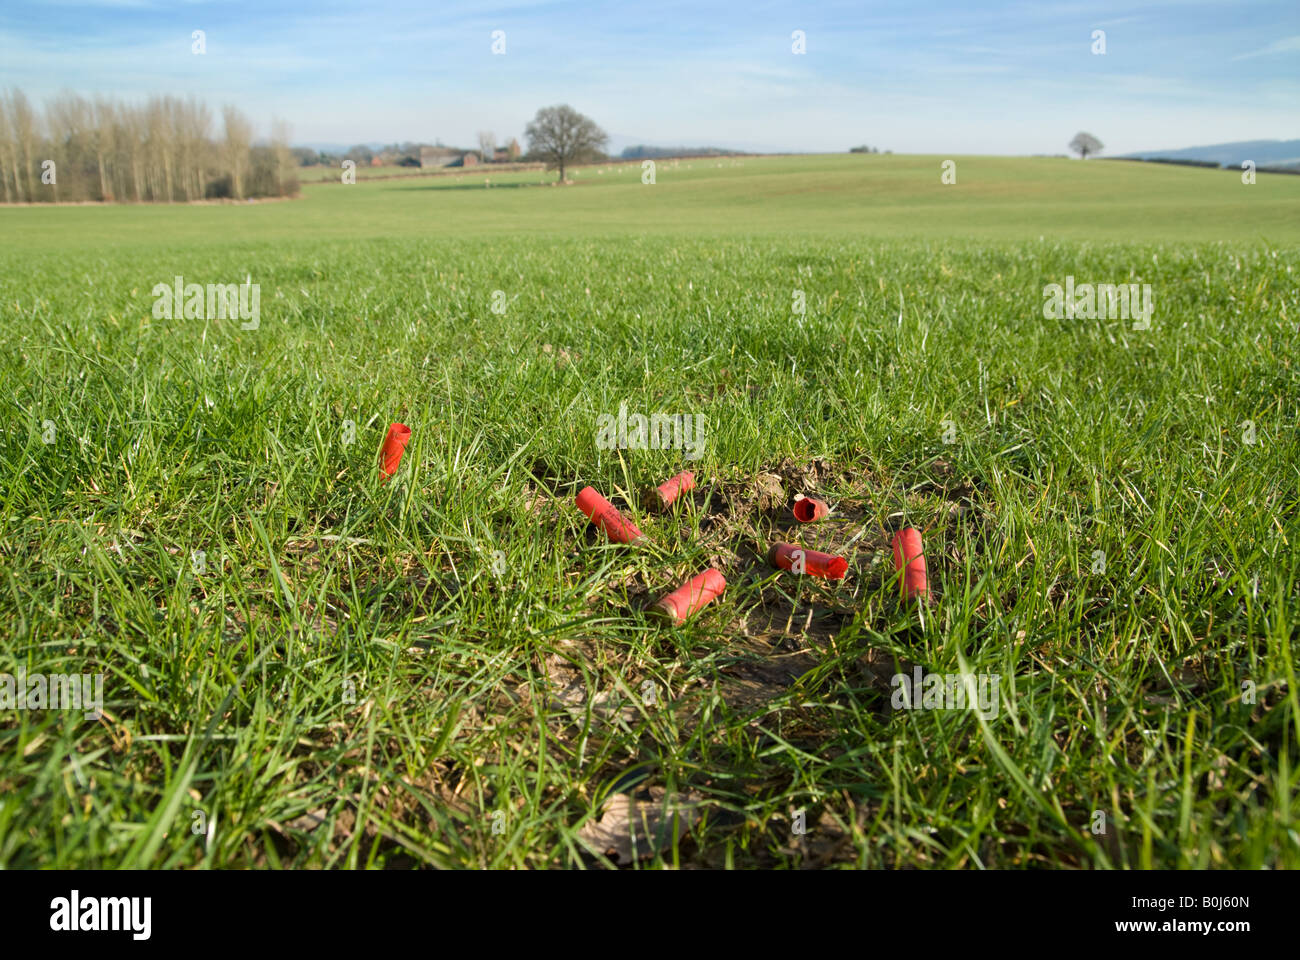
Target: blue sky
{"points": [[915, 76]]}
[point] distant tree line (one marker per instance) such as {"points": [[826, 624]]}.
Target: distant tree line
{"points": [[405, 154], [164, 150], [645, 152], [1178, 161], [1293, 169]]}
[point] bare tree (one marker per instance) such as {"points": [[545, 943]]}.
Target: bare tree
{"points": [[198, 123], [132, 137], [68, 122], [1085, 144], [239, 134], [8, 157], [487, 145], [161, 146], [115, 140], [102, 144], [286, 180], [562, 136], [23, 122], [9, 145]]}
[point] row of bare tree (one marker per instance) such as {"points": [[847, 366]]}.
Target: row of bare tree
{"points": [[161, 151]]}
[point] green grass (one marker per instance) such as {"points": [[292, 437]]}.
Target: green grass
{"points": [[834, 197], [226, 689]]}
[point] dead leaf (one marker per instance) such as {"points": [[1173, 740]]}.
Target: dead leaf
{"points": [[638, 827], [769, 491], [308, 821], [570, 693]]}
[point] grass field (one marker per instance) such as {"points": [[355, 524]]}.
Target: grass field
{"points": [[306, 667]]}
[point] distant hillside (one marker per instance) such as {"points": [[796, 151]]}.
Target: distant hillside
{"points": [[645, 152], [1265, 153], [320, 146]]}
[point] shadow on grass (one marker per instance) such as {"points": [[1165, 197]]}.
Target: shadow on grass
{"points": [[469, 186]]}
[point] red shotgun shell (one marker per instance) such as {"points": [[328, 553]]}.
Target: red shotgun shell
{"points": [[815, 563], [909, 559], [809, 509], [399, 434], [691, 596], [670, 490], [606, 516]]}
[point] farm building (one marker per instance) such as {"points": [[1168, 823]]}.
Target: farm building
{"points": [[438, 156]]}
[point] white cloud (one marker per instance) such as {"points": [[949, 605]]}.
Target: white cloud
{"points": [[1285, 45]]}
